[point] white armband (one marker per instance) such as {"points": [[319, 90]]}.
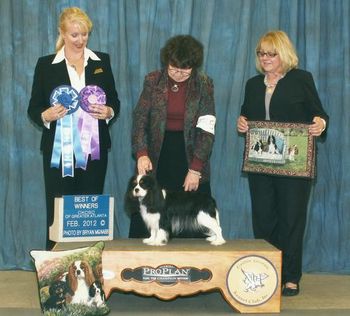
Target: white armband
{"points": [[207, 123]]}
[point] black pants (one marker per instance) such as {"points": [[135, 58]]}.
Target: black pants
{"points": [[89, 181], [279, 208], [171, 172]]}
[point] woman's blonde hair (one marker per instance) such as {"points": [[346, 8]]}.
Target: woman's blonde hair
{"points": [[69, 15], [278, 42]]}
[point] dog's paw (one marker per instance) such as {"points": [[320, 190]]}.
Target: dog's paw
{"points": [[148, 241], [211, 238], [159, 243], [218, 242]]}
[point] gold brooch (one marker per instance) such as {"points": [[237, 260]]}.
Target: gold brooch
{"points": [[98, 70]]}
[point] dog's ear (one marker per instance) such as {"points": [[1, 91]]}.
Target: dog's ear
{"points": [[91, 291], [154, 199], [66, 288], [51, 289], [131, 203], [71, 279], [159, 198], [151, 174], [89, 275], [130, 187]]}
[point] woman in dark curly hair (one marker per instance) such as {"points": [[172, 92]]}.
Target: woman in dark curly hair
{"points": [[174, 122]]}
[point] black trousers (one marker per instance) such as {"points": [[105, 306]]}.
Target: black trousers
{"points": [[171, 172], [279, 209], [89, 181]]}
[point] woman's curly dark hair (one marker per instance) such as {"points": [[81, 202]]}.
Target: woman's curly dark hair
{"points": [[182, 51]]}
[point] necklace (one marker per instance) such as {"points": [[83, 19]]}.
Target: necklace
{"points": [[75, 63], [174, 88], [270, 86]]}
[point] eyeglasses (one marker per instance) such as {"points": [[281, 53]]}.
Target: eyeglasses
{"points": [[175, 71], [261, 54]]}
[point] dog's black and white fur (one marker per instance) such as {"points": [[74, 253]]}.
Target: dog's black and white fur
{"points": [[166, 213], [97, 295], [258, 147], [271, 143]]}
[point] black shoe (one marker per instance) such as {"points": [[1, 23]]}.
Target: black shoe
{"points": [[287, 291]]}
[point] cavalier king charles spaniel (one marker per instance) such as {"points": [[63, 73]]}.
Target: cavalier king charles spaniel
{"points": [[57, 300], [167, 214], [79, 278], [97, 295]]}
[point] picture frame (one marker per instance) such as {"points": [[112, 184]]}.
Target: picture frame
{"points": [[281, 149]]}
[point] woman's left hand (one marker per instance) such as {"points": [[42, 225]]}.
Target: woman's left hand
{"points": [[191, 181], [317, 127], [100, 112]]}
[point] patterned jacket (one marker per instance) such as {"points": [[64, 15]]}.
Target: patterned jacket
{"points": [[150, 115]]}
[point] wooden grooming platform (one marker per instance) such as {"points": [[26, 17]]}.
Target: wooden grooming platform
{"points": [[246, 272]]}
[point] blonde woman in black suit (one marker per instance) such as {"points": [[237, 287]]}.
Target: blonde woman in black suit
{"points": [[281, 93], [75, 65]]}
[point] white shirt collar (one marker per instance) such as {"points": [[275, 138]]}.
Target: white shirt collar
{"points": [[88, 53]]}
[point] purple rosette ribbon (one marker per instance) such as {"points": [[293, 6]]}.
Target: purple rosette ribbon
{"points": [[91, 94], [88, 125], [66, 143]]}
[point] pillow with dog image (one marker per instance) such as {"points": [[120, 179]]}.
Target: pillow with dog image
{"points": [[71, 281]]}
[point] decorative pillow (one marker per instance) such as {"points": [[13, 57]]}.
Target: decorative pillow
{"points": [[71, 281]]}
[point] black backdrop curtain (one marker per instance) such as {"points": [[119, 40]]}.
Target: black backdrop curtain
{"points": [[132, 32]]}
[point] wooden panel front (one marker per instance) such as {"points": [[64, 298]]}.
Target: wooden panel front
{"points": [[225, 262]]}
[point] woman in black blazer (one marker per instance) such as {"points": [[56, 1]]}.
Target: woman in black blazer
{"points": [[281, 93], [77, 66]]}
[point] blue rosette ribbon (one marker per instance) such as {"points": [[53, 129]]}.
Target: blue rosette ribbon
{"points": [[67, 141]]}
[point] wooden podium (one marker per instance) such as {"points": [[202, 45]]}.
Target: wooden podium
{"points": [[246, 272]]}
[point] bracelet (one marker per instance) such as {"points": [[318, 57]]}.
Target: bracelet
{"points": [[197, 173], [324, 124]]}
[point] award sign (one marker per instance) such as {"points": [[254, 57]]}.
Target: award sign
{"points": [[83, 218]]}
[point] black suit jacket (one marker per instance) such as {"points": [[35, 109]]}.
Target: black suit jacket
{"points": [[295, 99], [48, 76]]}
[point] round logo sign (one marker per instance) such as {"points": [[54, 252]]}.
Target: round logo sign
{"points": [[252, 280]]}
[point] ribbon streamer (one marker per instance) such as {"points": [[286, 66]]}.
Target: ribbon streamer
{"points": [[88, 125], [67, 142]]}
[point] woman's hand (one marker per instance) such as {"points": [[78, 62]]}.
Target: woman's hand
{"points": [[101, 112], [54, 113], [317, 127], [192, 180], [242, 124], [144, 165]]}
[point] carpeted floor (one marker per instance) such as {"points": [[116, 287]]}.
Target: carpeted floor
{"points": [[320, 295]]}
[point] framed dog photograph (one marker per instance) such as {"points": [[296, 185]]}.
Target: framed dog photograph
{"points": [[277, 148]]}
